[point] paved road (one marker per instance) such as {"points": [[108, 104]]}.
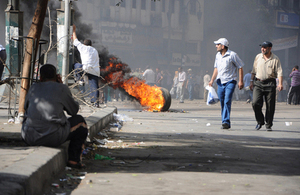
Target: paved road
{"points": [[190, 154]]}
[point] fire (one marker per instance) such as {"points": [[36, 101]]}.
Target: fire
{"points": [[150, 97]]}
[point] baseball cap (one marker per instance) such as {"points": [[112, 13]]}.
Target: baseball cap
{"points": [[266, 44], [222, 41]]}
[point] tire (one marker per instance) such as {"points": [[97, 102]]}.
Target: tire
{"points": [[168, 99]]}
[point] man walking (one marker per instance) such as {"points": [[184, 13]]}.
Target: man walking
{"points": [[294, 92], [227, 64], [90, 64], [266, 68], [180, 85]]}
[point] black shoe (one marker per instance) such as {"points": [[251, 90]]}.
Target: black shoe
{"points": [[269, 128], [258, 126], [225, 126]]}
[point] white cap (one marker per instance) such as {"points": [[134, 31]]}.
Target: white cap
{"points": [[222, 41]]}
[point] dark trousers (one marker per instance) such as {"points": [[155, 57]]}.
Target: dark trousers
{"points": [[77, 138], [294, 95], [264, 90], [2, 62]]}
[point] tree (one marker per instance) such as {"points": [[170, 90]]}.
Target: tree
{"points": [[30, 54]]}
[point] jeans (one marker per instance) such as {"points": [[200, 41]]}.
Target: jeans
{"points": [[93, 88], [190, 90], [225, 92]]}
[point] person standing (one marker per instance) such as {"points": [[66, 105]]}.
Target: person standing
{"points": [[180, 85], [206, 80], [226, 68], [45, 122], [294, 92], [249, 94], [190, 84], [266, 68], [2, 59], [149, 76], [90, 64]]}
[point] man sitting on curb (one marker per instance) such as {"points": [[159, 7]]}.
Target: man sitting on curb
{"points": [[45, 123]]}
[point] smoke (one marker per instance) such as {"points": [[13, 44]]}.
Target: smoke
{"points": [[50, 23]]}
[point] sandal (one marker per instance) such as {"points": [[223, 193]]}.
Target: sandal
{"points": [[76, 166]]}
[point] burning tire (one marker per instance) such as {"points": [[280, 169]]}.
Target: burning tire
{"points": [[168, 99]]}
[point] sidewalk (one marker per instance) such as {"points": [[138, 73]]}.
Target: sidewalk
{"points": [[27, 170]]}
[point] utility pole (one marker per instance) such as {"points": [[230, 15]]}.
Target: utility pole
{"points": [[65, 64], [30, 53]]}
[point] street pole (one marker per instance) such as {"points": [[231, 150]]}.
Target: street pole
{"points": [[65, 64], [30, 54]]}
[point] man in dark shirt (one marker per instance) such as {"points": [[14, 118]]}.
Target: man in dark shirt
{"points": [[45, 123]]}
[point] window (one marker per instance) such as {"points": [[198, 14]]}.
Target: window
{"points": [[152, 6], [143, 6], [193, 7], [133, 3]]}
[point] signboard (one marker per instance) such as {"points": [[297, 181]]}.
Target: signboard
{"points": [[116, 36], [286, 43], [287, 20]]}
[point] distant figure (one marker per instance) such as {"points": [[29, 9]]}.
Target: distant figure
{"points": [[181, 83], [90, 64], [294, 92], [190, 84], [149, 76], [159, 77], [175, 83], [45, 123], [266, 68], [206, 80], [227, 64], [2, 59], [249, 94], [283, 93]]}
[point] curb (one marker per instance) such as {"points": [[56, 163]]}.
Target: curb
{"points": [[34, 173]]}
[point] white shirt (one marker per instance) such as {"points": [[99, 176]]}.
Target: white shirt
{"points": [[2, 48], [149, 76], [181, 76], [89, 58], [227, 66]]}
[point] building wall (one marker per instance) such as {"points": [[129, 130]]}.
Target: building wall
{"points": [[145, 26]]}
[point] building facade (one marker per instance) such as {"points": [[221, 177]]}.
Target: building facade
{"points": [[165, 33]]}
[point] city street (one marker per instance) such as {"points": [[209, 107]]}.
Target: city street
{"points": [[184, 151]]}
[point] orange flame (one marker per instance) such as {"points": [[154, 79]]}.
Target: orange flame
{"points": [[150, 97]]}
